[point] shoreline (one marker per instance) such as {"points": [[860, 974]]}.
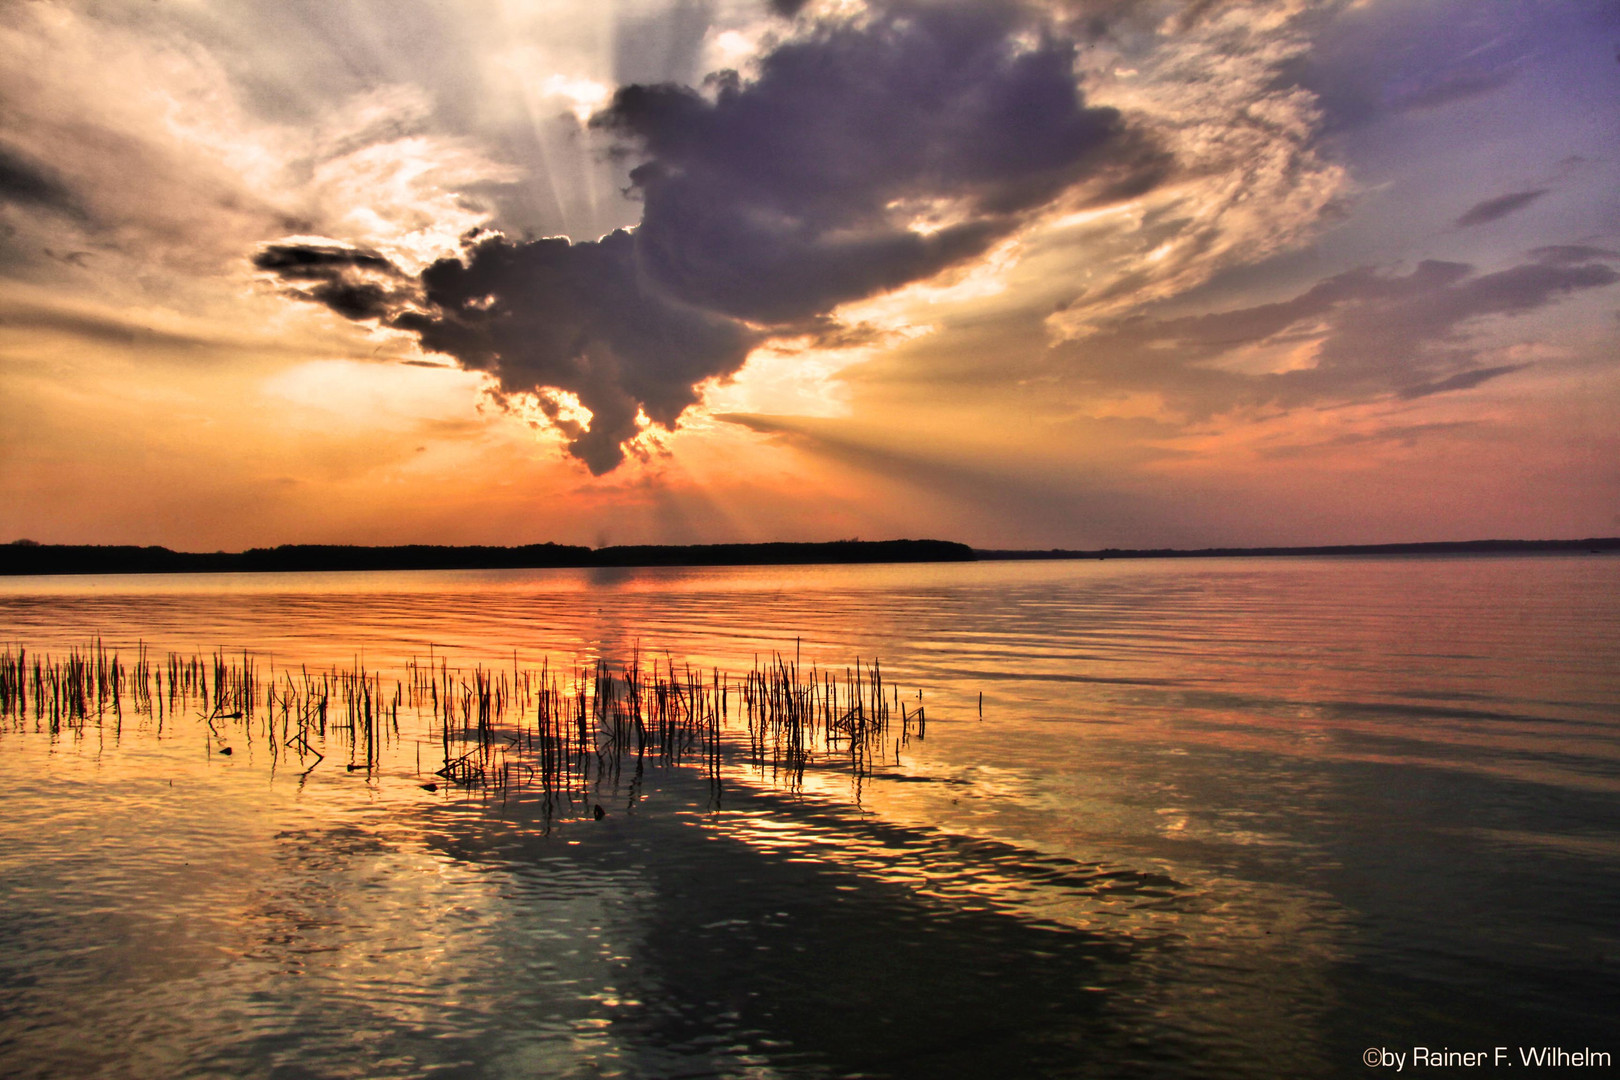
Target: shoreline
{"points": [[30, 560], [1590, 545]]}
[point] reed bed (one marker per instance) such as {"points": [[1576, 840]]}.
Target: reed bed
{"points": [[565, 733]]}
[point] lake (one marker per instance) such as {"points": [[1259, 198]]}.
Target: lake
{"points": [[1242, 817]]}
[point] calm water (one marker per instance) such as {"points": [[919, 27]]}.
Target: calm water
{"points": [[1246, 817]]}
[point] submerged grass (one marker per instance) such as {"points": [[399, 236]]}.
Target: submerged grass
{"points": [[563, 732]]}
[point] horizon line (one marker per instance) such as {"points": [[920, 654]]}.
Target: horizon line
{"points": [[29, 558]]}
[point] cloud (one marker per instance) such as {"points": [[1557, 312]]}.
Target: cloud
{"points": [[26, 189], [357, 283], [1500, 207], [103, 330], [1359, 335], [1448, 85], [1463, 380], [27, 183], [581, 318], [56, 321], [1567, 254], [863, 154], [1373, 60], [1406, 435], [541, 316]]}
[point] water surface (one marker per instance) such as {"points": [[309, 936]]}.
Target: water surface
{"points": [[1219, 817]]}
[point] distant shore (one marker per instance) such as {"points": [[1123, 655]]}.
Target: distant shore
{"points": [[1441, 547], [23, 558]]}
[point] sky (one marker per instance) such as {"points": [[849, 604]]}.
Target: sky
{"points": [[1020, 273]]}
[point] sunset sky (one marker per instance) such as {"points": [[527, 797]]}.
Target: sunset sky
{"points": [[1052, 273]]}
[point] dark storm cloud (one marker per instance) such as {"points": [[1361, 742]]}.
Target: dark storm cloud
{"points": [[353, 282], [581, 318], [1373, 334], [315, 262], [538, 315], [785, 196], [766, 203], [1483, 213]]}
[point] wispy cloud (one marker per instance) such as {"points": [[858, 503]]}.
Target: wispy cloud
{"points": [[1489, 210], [1361, 334]]}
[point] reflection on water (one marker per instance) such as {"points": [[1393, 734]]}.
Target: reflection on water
{"points": [[1220, 818]]}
